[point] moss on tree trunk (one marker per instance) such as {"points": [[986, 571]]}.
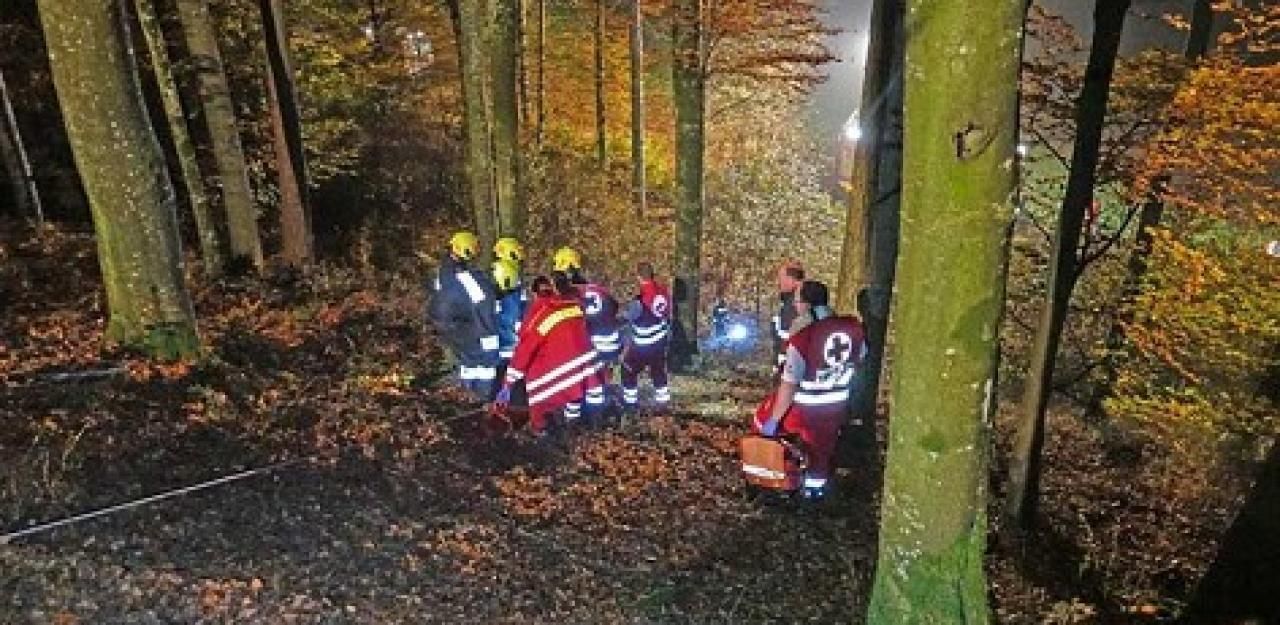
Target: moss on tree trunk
{"points": [[124, 176], [960, 101]]}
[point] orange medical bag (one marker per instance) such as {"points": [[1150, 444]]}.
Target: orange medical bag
{"points": [[773, 463]]}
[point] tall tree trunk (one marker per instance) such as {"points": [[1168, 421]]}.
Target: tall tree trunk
{"points": [[16, 165], [540, 130], [1091, 113], [243, 236], [522, 64], [602, 154], [291, 164], [124, 175], [883, 199], [862, 181], [211, 253], [956, 199], [506, 126], [689, 86], [637, 108], [469, 19]]}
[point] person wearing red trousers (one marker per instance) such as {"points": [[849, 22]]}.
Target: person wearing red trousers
{"points": [[816, 384], [646, 349], [553, 358]]}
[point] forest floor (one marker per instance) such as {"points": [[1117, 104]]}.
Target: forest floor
{"points": [[396, 508]]}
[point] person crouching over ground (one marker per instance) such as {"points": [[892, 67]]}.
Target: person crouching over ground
{"points": [[816, 384], [553, 358]]}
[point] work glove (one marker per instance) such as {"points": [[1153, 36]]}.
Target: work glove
{"points": [[503, 399], [769, 428]]}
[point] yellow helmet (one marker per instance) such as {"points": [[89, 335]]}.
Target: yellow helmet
{"points": [[506, 274], [508, 248], [566, 259], [464, 244]]}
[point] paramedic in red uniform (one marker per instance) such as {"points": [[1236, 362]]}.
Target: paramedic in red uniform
{"points": [[817, 381], [553, 356], [650, 317]]}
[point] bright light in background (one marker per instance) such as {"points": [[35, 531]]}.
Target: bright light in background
{"points": [[853, 132], [1273, 249], [737, 332], [1023, 149]]}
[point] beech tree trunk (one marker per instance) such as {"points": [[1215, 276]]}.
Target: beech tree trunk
{"points": [[17, 167], [243, 236], [882, 199], [286, 124], [469, 18], [1091, 111], [637, 108], [506, 119], [211, 252], [602, 154], [957, 197], [689, 84], [1200, 35], [124, 175], [540, 131]]}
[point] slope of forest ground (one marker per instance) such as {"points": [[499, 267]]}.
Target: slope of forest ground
{"points": [[400, 511]]}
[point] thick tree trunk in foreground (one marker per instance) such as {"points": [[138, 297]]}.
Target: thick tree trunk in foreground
{"points": [[958, 185], [211, 253], [124, 176], [602, 154], [637, 108], [16, 165], [689, 86], [1091, 113], [243, 236], [286, 124], [469, 26], [506, 119]]}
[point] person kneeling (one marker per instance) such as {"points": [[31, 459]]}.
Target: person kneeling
{"points": [[816, 384], [554, 358]]}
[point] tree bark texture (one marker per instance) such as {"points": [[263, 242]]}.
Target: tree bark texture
{"points": [[243, 236], [211, 251], [689, 85], [506, 119], [957, 197], [124, 175], [17, 167], [854, 254], [297, 248], [883, 202], [540, 131], [1091, 113], [602, 138], [472, 36], [637, 108]]}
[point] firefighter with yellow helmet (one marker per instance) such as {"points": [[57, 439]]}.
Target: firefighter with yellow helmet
{"points": [[463, 310], [601, 310]]}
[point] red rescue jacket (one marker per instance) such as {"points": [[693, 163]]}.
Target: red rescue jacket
{"points": [[553, 354]]}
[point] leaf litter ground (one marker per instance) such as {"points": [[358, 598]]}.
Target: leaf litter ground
{"points": [[401, 510]]}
